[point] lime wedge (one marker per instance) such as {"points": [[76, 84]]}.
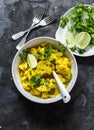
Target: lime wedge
{"points": [[31, 60], [70, 39], [82, 40]]}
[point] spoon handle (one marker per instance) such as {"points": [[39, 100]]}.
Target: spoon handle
{"points": [[65, 95]]}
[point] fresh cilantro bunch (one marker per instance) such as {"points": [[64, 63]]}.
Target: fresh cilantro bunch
{"points": [[81, 19]]}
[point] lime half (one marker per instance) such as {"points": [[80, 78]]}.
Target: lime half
{"points": [[82, 40], [31, 60], [70, 39]]}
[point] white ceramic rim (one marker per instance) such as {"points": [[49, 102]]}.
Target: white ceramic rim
{"points": [[27, 94], [59, 31]]}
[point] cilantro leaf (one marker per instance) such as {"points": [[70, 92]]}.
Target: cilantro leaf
{"points": [[35, 80], [23, 55]]}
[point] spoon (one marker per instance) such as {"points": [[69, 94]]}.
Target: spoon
{"points": [[64, 93]]}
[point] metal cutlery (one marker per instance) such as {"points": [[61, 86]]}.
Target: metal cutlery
{"points": [[65, 95], [43, 22], [36, 20]]}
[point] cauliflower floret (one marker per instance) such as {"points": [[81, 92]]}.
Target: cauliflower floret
{"points": [[33, 51], [28, 73], [23, 78], [42, 88], [44, 95], [35, 92], [41, 50], [62, 69], [61, 78], [63, 66], [23, 66], [26, 86], [45, 67], [56, 56]]}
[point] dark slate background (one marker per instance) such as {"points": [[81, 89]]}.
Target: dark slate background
{"points": [[16, 112]]}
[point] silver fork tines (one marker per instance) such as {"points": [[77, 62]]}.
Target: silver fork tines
{"points": [[38, 16], [47, 20]]}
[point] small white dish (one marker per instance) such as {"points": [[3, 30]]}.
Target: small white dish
{"points": [[61, 32]]}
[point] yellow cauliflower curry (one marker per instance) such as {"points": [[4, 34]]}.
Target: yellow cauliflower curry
{"points": [[39, 81]]}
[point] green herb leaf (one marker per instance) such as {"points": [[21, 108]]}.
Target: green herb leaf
{"points": [[52, 60], [38, 55], [23, 55], [81, 51], [35, 80], [63, 21], [48, 49], [73, 49], [61, 47]]}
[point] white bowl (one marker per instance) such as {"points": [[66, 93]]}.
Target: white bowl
{"points": [[15, 73]]}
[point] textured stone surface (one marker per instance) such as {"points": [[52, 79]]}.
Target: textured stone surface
{"points": [[16, 112]]}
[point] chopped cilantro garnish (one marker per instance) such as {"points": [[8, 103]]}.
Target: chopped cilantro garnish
{"points": [[35, 80], [48, 50], [61, 47], [38, 55], [23, 55], [52, 60]]}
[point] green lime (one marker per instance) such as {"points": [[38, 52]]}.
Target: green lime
{"points": [[70, 39], [31, 60], [82, 40]]}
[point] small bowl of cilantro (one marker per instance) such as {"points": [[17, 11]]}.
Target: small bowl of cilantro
{"points": [[76, 30], [34, 64]]}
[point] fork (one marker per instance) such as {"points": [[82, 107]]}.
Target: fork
{"points": [[43, 22], [36, 20]]}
